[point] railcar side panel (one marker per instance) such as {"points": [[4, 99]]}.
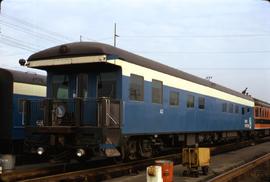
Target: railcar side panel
{"points": [[145, 117], [205, 108], [18, 123]]}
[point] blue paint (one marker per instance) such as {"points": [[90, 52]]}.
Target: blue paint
{"points": [[146, 117], [18, 127], [92, 83]]}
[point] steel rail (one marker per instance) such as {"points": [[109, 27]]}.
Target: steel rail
{"points": [[31, 172], [241, 170], [64, 169], [97, 174]]}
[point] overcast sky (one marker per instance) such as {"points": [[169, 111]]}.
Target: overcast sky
{"points": [[226, 39]]}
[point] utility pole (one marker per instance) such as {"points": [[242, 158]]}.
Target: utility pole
{"points": [[114, 35], [0, 5], [0, 12]]}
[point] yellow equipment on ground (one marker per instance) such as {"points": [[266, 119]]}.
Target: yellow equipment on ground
{"points": [[195, 159]]}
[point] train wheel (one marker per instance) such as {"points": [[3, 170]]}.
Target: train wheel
{"points": [[205, 170], [118, 160], [131, 150], [145, 147]]}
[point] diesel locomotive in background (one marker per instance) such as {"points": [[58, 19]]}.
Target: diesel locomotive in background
{"points": [[104, 101]]}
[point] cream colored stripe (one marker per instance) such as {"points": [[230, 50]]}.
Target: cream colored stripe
{"points": [[29, 89], [149, 74], [66, 61]]}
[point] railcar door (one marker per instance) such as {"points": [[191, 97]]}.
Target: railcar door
{"points": [[108, 106], [109, 112], [106, 85], [60, 86], [82, 85]]}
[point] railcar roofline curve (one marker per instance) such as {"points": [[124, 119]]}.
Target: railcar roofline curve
{"points": [[24, 77], [80, 49]]}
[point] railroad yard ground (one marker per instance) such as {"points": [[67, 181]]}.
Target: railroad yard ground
{"points": [[219, 164]]}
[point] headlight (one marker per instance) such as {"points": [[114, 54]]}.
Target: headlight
{"points": [[60, 111], [40, 150], [80, 152], [39, 123]]}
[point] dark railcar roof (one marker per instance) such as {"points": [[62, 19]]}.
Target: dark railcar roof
{"points": [[25, 77], [93, 48], [261, 103]]}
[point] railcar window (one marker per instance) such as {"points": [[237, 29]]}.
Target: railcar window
{"points": [[82, 85], [60, 84], [157, 92], [174, 98], [190, 101], [231, 108], [236, 109], [224, 107], [201, 103], [136, 88], [243, 110], [107, 84], [248, 109]]}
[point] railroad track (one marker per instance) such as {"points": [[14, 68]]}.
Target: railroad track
{"points": [[90, 172], [45, 169], [31, 172], [241, 170], [107, 172]]}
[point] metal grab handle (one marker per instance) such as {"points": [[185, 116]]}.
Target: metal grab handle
{"points": [[115, 122]]}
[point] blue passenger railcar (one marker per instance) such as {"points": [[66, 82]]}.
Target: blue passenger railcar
{"points": [[16, 86], [102, 99]]}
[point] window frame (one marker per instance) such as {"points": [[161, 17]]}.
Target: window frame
{"points": [[161, 92], [199, 103], [141, 99], [243, 111], [224, 107], [192, 105], [177, 96], [80, 85], [230, 108], [56, 85], [236, 109], [104, 79]]}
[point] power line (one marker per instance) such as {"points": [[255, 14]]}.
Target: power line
{"points": [[16, 45], [203, 52], [29, 32], [16, 41], [10, 41], [225, 69], [35, 27], [29, 28], [195, 36], [105, 38]]}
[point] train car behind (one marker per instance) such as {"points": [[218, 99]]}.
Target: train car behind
{"points": [[262, 117], [14, 87]]}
